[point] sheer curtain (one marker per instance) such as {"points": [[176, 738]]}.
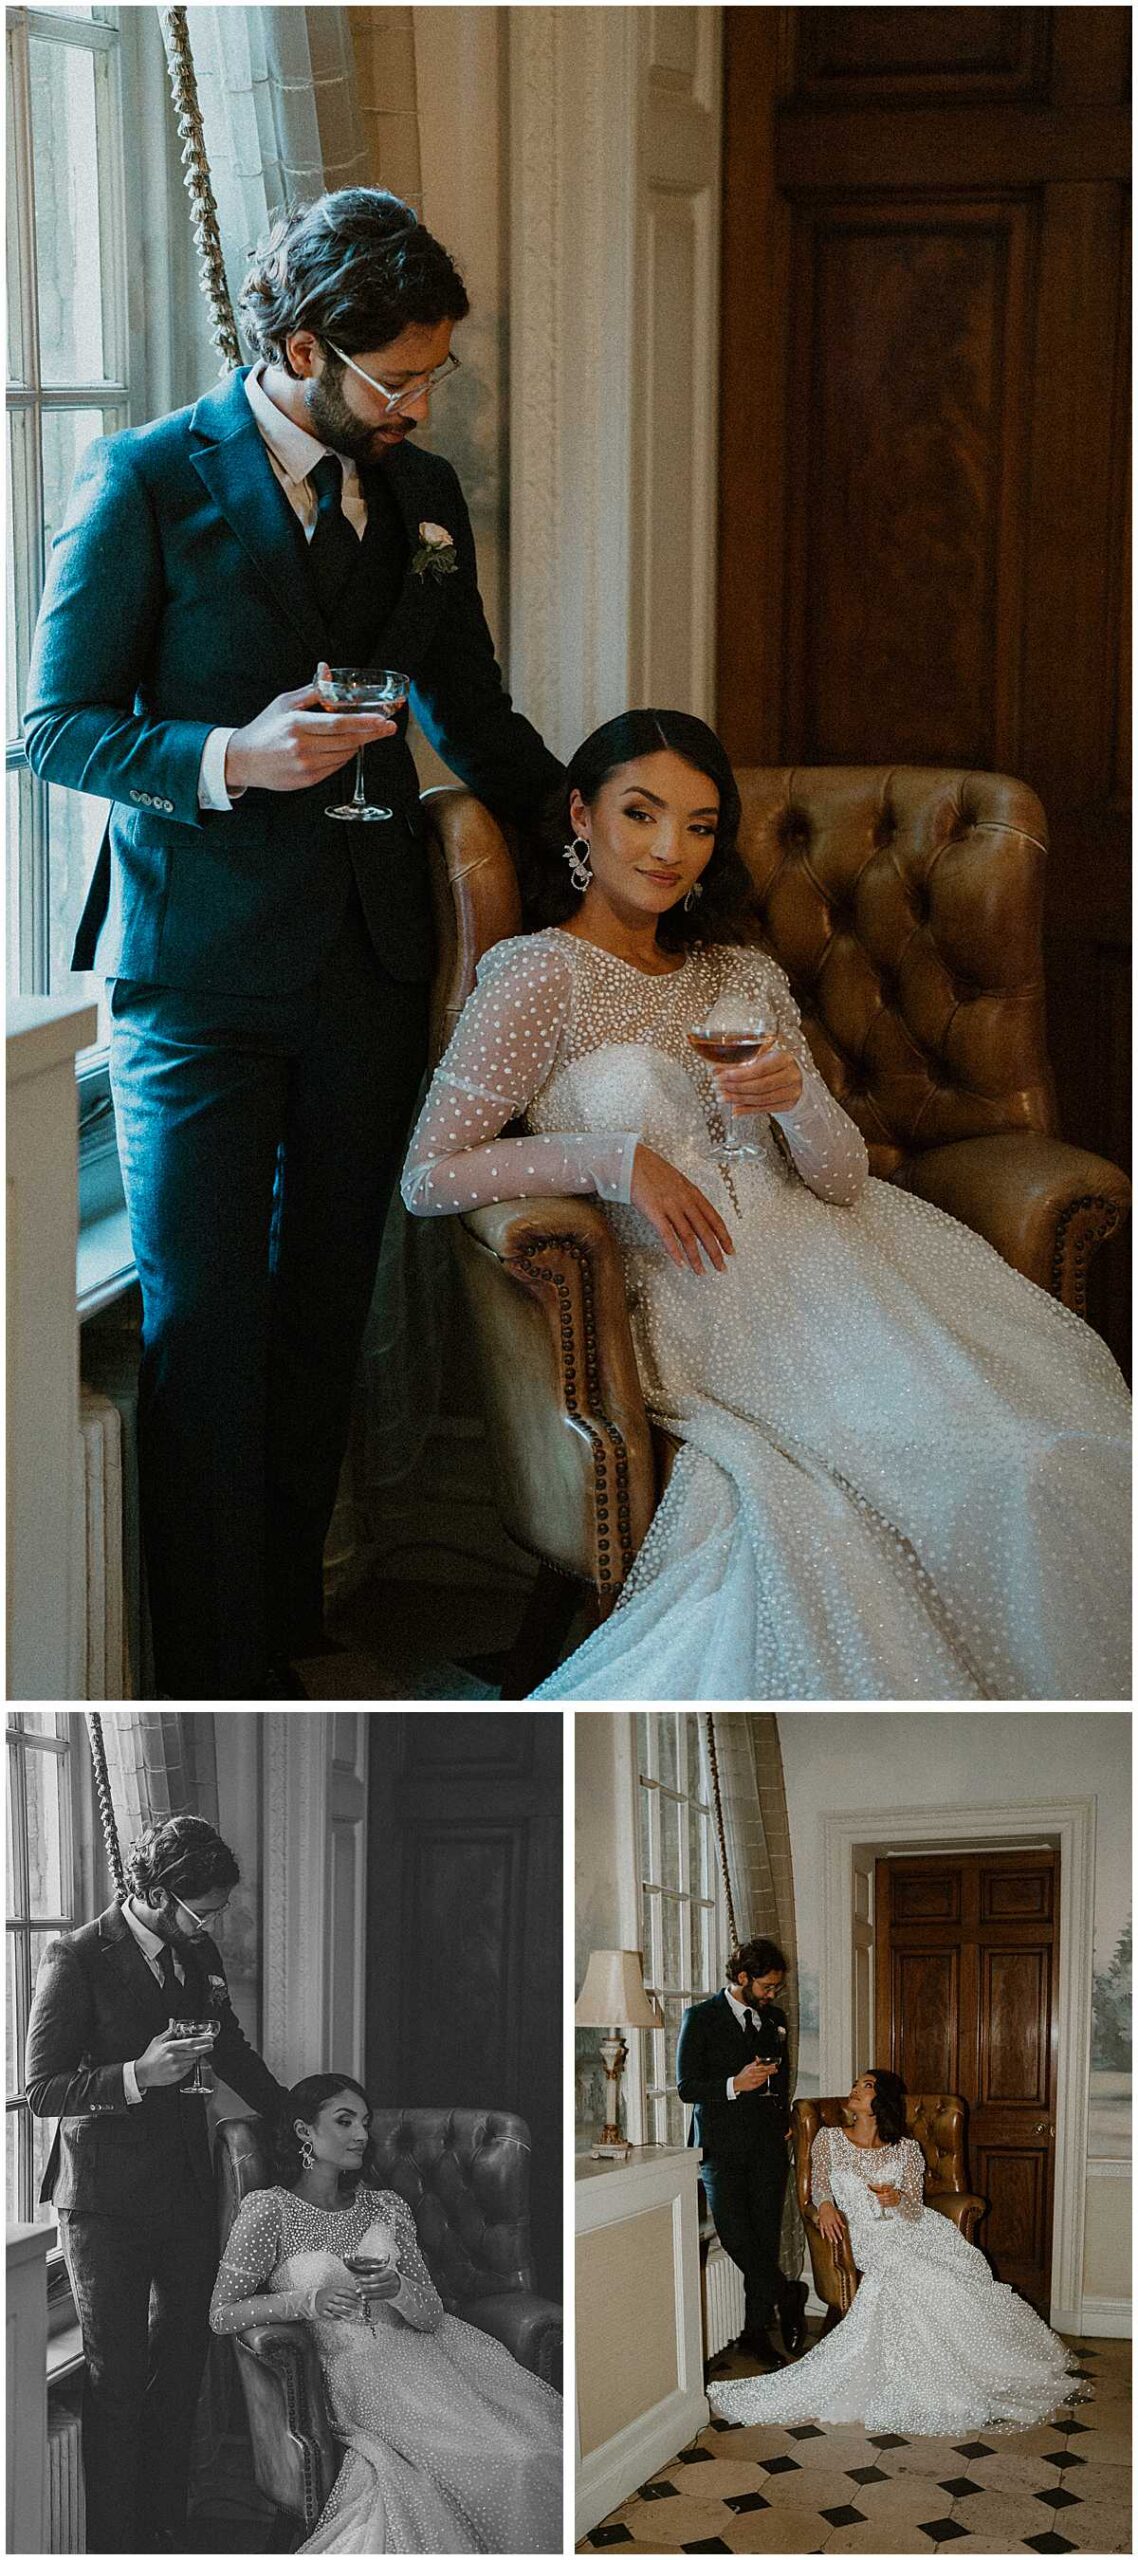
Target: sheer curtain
{"points": [[158, 1765], [749, 1798], [280, 110]]}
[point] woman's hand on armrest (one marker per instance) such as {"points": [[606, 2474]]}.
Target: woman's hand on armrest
{"points": [[684, 1219], [831, 2224]]}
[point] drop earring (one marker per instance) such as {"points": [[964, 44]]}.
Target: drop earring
{"points": [[307, 2154], [580, 867], [695, 891]]}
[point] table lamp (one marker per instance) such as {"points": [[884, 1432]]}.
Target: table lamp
{"points": [[613, 1996]]}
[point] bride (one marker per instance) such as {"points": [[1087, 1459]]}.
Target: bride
{"points": [[930, 2345], [903, 1465], [450, 2444]]}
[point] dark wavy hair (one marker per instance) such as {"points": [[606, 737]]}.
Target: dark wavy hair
{"points": [[182, 1855], [306, 2101], [357, 266], [889, 2095], [727, 911], [756, 1956]]}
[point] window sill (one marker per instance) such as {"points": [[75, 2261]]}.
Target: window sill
{"points": [[64, 2355], [104, 1263]]}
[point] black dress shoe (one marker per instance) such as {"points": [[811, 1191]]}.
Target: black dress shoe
{"points": [[755, 2342], [792, 2318]]}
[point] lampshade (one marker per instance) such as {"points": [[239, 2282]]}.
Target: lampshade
{"points": [[613, 1993]]}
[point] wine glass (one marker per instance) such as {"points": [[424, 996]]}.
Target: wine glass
{"points": [[186, 2030], [734, 1030], [360, 689], [369, 2262]]}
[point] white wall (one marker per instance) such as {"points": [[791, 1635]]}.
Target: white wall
{"points": [[835, 1762]]}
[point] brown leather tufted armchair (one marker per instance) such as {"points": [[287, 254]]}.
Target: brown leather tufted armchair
{"points": [[465, 2174], [938, 2124], [906, 908]]}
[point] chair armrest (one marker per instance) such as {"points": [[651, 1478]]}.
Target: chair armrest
{"points": [[528, 2325], [1044, 1205], [965, 2211], [283, 2387], [574, 1470], [835, 2275]]}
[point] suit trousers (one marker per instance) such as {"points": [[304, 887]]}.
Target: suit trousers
{"points": [[142, 2291], [745, 2196], [260, 1139]]}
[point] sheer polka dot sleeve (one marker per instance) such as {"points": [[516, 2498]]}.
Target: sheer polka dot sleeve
{"points": [[417, 2301], [251, 2253], [503, 1049], [821, 2192], [912, 2180], [828, 1149]]}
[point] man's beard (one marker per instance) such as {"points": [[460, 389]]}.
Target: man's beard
{"points": [[337, 426]]}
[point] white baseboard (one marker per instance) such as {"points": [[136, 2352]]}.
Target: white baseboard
{"points": [[613, 2470], [1104, 2316]]}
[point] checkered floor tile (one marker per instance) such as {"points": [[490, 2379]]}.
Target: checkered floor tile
{"points": [[1061, 2487]]}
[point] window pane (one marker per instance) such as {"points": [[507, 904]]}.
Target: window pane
{"points": [[66, 172], [643, 1762], [11, 2014], [669, 1841], [666, 1734], [66, 436], [23, 583], [15, 316], [75, 824], [645, 1832], [674, 2119], [650, 1904], [46, 1885], [673, 1964], [696, 1832], [13, 2206], [43, 2134]]}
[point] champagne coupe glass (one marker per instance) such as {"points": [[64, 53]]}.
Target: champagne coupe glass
{"points": [[735, 1029], [360, 689], [369, 2262], [195, 2085]]}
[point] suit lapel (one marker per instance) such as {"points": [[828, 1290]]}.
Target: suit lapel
{"points": [[407, 634], [228, 453]]}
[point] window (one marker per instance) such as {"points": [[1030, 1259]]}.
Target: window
{"points": [[67, 383], [679, 1899], [52, 1881]]}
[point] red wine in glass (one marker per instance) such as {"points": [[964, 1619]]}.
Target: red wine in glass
{"points": [[358, 2265], [727, 1044], [187, 2030]]}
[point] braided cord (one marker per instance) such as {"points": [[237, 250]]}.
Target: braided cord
{"points": [[199, 186], [106, 1809], [732, 1923]]}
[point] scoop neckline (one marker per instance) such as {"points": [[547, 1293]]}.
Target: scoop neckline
{"points": [[865, 2146], [651, 974], [335, 2212]]}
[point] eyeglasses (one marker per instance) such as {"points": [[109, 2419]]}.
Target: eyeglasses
{"points": [[199, 1925], [427, 382]]}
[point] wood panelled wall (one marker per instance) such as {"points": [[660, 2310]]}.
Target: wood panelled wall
{"points": [[924, 465]]}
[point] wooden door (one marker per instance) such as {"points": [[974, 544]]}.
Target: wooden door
{"points": [[464, 1929], [924, 467], [967, 1992]]}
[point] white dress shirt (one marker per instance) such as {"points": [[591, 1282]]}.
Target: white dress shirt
{"points": [[293, 455], [150, 1946]]}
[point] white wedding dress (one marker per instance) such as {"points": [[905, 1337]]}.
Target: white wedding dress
{"points": [[930, 2345], [904, 1467], [451, 2445]]}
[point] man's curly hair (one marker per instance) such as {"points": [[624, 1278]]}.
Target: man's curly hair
{"points": [[183, 1855], [357, 268]]}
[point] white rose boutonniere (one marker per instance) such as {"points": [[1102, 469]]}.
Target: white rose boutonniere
{"points": [[436, 556]]}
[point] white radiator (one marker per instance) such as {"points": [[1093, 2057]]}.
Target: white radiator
{"points": [[101, 1668], [722, 2300], [63, 2499]]}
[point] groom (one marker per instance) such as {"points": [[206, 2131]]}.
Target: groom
{"points": [[129, 2172], [269, 961], [731, 2065]]}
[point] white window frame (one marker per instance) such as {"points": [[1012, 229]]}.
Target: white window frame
{"points": [[698, 1903], [30, 399], [65, 1740]]}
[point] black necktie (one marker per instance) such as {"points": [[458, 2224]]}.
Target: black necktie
{"points": [[333, 549], [170, 1983]]}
